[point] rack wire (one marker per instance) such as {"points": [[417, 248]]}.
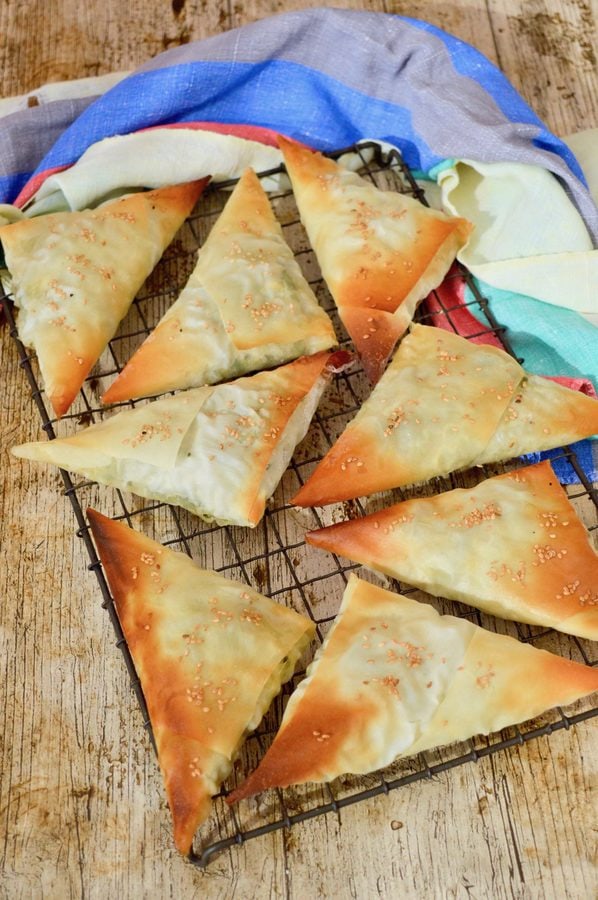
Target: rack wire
{"points": [[274, 557]]}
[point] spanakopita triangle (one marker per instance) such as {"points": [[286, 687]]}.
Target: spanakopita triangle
{"points": [[443, 404], [513, 546], [74, 275], [380, 252], [245, 307], [216, 451], [210, 653], [394, 678]]}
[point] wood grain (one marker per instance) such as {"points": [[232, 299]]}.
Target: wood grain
{"points": [[81, 803]]}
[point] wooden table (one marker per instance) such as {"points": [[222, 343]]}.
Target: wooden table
{"points": [[80, 795]]}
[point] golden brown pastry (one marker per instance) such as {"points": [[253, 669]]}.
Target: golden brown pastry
{"points": [[210, 653], [217, 451], [394, 678], [245, 307], [74, 275], [380, 252], [513, 546], [443, 404]]}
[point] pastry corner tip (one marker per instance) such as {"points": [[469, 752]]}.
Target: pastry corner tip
{"points": [[284, 141], [61, 403], [248, 788], [320, 489], [302, 498], [114, 394], [316, 538], [101, 526]]}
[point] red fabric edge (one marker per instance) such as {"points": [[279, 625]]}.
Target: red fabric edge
{"points": [[447, 309]]}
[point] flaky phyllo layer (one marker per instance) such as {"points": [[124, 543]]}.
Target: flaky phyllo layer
{"points": [[444, 404], [211, 654], [513, 546], [74, 276], [380, 252], [394, 678], [216, 451], [245, 307]]}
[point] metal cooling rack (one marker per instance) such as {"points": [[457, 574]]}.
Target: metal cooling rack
{"points": [[274, 557]]}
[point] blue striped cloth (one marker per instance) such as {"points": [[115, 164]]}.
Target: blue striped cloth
{"points": [[324, 76]]}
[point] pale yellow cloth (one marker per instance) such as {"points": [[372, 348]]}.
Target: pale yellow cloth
{"points": [[528, 236]]}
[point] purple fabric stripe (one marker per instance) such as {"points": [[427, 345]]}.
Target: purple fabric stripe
{"points": [[28, 135]]}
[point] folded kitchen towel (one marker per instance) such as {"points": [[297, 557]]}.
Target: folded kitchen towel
{"points": [[409, 83]]}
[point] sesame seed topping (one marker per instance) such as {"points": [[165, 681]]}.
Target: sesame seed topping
{"points": [[249, 615], [483, 681], [506, 571], [394, 420], [549, 520], [149, 431], [477, 516], [389, 682]]}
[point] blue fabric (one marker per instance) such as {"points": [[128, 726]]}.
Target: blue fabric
{"points": [[550, 340], [587, 457], [11, 185], [216, 92], [328, 77]]}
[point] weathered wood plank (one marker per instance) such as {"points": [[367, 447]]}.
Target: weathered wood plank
{"points": [[548, 49], [60, 39]]}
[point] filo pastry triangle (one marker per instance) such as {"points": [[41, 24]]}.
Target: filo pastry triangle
{"points": [[74, 276], [394, 678], [513, 546], [210, 653], [380, 252], [246, 306], [443, 404], [216, 451]]}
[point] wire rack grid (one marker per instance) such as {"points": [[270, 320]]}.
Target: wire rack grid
{"points": [[274, 557]]}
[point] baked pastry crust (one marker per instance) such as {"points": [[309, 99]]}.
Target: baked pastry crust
{"points": [[246, 307], [394, 678], [380, 252], [513, 546], [443, 404], [74, 276], [210, 653], [216, 451]]}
